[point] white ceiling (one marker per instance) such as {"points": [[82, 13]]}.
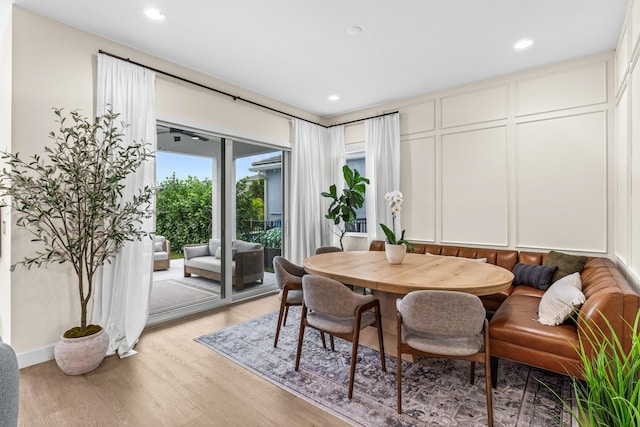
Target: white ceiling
{"points": [[299, 52]]}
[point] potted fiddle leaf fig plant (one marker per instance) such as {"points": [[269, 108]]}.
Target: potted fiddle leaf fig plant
{"points": [[71, 201], [343, 207]]}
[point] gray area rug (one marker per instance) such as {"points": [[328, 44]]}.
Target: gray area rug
{"points": [[436, 392], [171, 294]]}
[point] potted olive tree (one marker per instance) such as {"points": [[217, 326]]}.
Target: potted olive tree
{"points": [[71, 202], [343, 207]]}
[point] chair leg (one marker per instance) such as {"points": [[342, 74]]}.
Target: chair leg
{"points": [[399, 360], [324, 342], [286, 313], [487, 375], [380, 339], [331, 342], [494, 372], [472, 374], [303, 317], [282, 309], [354, 356]]}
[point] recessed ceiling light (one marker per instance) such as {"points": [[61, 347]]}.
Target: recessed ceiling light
{"points": [[523, 44], [334, 97], [354, 30], [154, 14]]}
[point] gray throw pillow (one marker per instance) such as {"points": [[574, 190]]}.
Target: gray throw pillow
{"points": [[537, 276], [567, 264]]}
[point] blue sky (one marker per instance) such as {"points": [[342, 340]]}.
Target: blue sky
{"points": [[200, 167]]}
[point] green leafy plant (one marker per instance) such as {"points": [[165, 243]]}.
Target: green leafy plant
{"points": [[183, 210], [271, 238], [72, 204], [249, 205], [609, 393], [343, 207], [395, 199]]}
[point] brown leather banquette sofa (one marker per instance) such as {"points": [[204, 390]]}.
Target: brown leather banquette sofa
{"points": [[515, 332]]}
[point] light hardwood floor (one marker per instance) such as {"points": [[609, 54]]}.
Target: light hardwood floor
{"points": [[172, 381]]}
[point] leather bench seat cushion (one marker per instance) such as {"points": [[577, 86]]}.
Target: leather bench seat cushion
{"points": [[516, 322]]}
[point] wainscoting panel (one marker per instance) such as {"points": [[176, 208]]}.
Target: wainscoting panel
{"points": [[622, 58], [634, 171], [417, 183], [418, 118], [474, 187], [633, 21], [474, 107], [561, 176], [621, 179], [558, 91]]}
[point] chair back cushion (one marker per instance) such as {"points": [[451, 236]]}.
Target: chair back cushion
{"points": [[286, 271], [327, 249], [444, 313], [331, 297], [242, 246], [214, 244]]}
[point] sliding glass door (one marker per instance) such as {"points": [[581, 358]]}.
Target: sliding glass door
{"points": [[219, 207]]}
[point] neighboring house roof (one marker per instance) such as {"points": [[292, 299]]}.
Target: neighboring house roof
{"points": [[274, 162]]}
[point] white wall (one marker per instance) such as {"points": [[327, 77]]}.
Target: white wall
{"points": [[520, 161], [54, 65], [627, 148], [5, 144]]}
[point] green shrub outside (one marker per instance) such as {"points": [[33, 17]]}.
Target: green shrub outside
{"points": [[183, 211], [271, 238]]}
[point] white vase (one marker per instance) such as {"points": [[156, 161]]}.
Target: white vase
{"points": [[80, 355], [395, 253]]}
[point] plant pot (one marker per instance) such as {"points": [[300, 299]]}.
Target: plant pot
{"points": [[395, 253], [270, 254], [77, 356]]}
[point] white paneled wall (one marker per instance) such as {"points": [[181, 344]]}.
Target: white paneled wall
{"points": [[627, 145], [474, 187], [419, 195], [519, 162], [561, 177]]}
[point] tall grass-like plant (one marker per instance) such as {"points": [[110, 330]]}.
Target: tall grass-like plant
{"points": [[609, 394]]}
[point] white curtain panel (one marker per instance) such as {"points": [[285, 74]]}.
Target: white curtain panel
{"points": [[122, 288], [382, 158], [317, 157]]}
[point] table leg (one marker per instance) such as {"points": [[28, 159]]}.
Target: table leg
{"points": [[388, 310]]}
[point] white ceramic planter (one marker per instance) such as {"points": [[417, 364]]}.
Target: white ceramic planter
{"points": [[395, 253], [77, 356]]}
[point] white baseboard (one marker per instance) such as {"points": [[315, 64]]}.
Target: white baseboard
{"points": [[34, 357]]}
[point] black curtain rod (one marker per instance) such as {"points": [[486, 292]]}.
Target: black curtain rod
{"points": [[234, 97]]}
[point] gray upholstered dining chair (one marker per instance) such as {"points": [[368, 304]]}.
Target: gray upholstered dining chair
{"points": [[9, 386], [289, 280], [327, 249], [444, 324], [329, 306]]}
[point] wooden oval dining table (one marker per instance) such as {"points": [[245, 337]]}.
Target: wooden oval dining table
{"points": [[370, 269]]}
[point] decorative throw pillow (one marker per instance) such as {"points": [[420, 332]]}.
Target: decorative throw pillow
{"points": [[567, 264], [557, 304], [157, 247], [219, 252], [537, 276]]}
